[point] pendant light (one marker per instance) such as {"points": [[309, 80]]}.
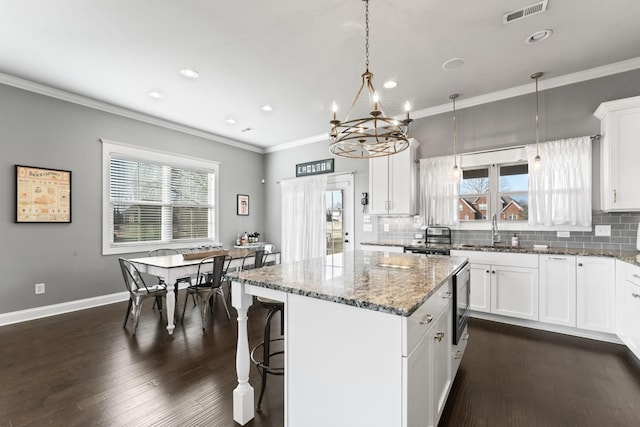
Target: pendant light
{"points": [[537, 161], [456, 173], [374, 135]]}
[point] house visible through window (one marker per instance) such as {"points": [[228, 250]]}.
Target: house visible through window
{"points": [[496, 189], [156, 200]]}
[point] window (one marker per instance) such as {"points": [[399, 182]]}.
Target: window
{"points": [[474, 194], [154, 199], [513, 192]]}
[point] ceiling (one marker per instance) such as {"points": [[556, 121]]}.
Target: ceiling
{"points": [[298, 56]]}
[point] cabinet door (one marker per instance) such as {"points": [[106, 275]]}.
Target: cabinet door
{"points": [[480, 299], [514, 292], [419, 411], [402, 183], [441, 362], [596, 294], [632, 310], [558, 290], [379, 185]]}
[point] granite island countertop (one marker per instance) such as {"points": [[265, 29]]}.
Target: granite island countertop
{"points": [[395, 283], [631, 257]]}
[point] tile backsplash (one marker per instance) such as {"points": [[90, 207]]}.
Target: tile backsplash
{"points": [[624, 228]]}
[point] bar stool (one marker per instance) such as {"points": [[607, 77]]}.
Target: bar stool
{"points": [[265, 364]]}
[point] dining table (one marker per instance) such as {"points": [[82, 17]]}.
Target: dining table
{"points": [[172, 267]]}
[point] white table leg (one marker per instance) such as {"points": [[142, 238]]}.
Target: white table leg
{"points": [[243, 404], [171, 307]]}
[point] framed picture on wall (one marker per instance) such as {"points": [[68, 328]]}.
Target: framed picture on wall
{"points": [[242, 205], [42, 195]]}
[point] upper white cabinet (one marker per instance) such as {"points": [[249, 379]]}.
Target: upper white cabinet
{"points": [[619, 154], [392, 183], [596, 294], [558, 290]]}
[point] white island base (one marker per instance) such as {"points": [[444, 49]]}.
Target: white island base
{"points": [[346, 365]]}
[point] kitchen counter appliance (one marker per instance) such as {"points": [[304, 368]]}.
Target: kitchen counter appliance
{"points": [[437, 242], [461, 296]]}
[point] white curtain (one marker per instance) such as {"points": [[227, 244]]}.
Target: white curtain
{"points": [[560, 191], [438, 193], [303, 218]]}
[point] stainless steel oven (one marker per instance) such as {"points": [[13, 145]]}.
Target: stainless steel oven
{"points": [[461, 295]]}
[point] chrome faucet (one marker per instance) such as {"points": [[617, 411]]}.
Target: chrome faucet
{"points": [[495, 237]]}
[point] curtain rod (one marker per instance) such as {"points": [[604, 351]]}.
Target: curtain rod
{"points": [[327, 174]]}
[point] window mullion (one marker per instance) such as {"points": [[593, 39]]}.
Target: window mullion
{"points": [[167, 211]]}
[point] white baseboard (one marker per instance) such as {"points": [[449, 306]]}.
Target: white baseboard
{"points": [[599, 336], [65, 307]]}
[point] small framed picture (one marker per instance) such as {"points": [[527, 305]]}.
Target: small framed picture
{"points": [[243, 205], [42, 195]]}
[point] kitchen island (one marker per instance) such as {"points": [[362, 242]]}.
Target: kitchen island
{"points": [[367, 338]]}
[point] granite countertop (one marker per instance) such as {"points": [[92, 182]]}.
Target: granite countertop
{"points": [[631, 257], [396, 283]]}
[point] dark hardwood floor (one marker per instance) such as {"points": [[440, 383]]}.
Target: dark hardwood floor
{"points": [[84, 369]]}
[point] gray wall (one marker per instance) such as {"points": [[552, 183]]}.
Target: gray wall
{"points": [[564, 112], [36, 130]]}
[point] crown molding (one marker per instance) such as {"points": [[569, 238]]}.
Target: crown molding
{"points": [[565, 80], [120, 111]]}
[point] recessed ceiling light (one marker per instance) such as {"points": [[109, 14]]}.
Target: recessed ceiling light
{"points": [[390, 84], [231, 121], [189, 73], [267, 107], [453, 64], [538, 36], [155, 94]]}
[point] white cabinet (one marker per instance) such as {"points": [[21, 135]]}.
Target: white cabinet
{"points": [[480, 298], [619, 154], [506, 283], [557, 303], [628, 289], [596, 294], [427, 369], [392, 183]]}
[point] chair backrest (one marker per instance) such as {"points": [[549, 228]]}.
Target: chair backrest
{"points": [[212, 269], [258, 256], [163, 252], [268, 248], [132, 278]]}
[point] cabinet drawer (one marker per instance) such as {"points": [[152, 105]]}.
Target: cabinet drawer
{"points": [[416, 325], [500, 258]]}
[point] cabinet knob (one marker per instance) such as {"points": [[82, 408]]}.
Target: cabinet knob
{"points": [[635, 295], [465, 336], [579, 264], [636, 276], [493, 271], [426, 319], [438, 336], [458, 355], [487, 271]]}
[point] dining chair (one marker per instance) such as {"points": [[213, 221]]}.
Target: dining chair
{"points": [[138, 292], [254, 259], [209, 279]]}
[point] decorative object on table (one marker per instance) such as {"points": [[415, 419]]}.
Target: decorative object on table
{"points": [[314, 168], [374, 135], [242, 204], [42, 195]]}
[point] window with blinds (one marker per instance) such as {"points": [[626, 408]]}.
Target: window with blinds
{"points": [[154, 202]]}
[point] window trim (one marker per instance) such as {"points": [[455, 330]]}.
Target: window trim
{"points": [[156, 156]]}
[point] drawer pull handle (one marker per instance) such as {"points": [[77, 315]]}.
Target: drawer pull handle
{"points": [[636, 276], [447, 295], [635, 295], [458, 355], [427, 319], [439, 336], [465, 336]]}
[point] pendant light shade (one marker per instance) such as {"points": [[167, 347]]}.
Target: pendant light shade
{"points": [[537, 161], [456, 173]]}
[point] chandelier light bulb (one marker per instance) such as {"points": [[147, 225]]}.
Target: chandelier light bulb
{"points": [[456, 174]]}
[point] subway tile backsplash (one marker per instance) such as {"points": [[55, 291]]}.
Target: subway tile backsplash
{"points": [[624, 228]]}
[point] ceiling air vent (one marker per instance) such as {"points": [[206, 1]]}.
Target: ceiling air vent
{"points": [[530, 10]]}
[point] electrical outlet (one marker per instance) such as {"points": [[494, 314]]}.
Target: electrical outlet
{"points": [[386, 227], [603, 230], [564, 234], [39, 288], [367, 227]]}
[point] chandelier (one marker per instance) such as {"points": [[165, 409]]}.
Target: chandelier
{"points": [[374, 135]]}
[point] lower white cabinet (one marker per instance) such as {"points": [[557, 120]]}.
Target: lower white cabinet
{"points": [[514, 292], [480, 294], [428, 369], [596, 294], [557, 303], [628, 307]]}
